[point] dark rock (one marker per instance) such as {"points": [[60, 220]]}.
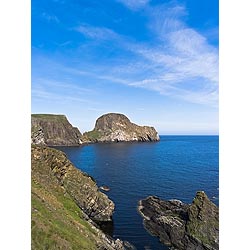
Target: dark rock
{"points": [[114, 127], [53, 130], [180, 225]]}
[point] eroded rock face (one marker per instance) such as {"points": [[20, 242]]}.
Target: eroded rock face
{"points": [[183, 226], [114, 127], [58, 191], [53, 130], [80, 186]]}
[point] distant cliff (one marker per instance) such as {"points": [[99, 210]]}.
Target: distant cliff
{"points": [[53, 130], [183, 226], [114, 127], [67, 206]]}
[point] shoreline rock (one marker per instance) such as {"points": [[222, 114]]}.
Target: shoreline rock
{"points": [[114, 127], [104, 188], [54, 130], [67, 207], [79, 185], [182, 226]]}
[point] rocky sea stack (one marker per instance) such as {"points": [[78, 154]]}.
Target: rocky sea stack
{"points": [[115, 127], [53, 130], [67, 206], [182, 226]]}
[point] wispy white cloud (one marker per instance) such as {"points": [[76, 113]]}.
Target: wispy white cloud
{"points": [[50, 17], [63, 43], [187, 56], [96, 32], [48, 90], [179, 62], [188, 59], [182, 64], [65, 85], [165, 18], [46, 95], [134, 4]]}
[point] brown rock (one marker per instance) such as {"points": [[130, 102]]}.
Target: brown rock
{"points": [[53, 130], [79, 185], [114, 127]]}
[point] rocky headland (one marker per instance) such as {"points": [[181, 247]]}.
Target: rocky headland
{"points": [[67, 207], [54, 130], [113, 127], [183, 226]]}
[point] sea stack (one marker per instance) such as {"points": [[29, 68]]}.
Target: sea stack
{"points": [[54, 130], [182, 226], [113, 127]]}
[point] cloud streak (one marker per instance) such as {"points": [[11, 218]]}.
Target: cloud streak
{"points": [[134, 4], [181, 62], [50, 17], [96, 32], [178, 62], [60, 91]]}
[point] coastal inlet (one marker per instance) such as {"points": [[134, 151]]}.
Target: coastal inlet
{"points": [[175, 167]]}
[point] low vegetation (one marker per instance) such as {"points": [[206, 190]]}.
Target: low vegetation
{"points": [[57, 221], [92, 135], [49, 117]]}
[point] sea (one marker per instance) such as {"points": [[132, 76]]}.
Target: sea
{"points": [[176, 167]]}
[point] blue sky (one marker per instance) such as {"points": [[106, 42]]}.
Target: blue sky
{"points": [[154, 61]]}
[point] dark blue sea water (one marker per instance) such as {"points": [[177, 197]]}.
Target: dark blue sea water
{"points": [[174, 168]]}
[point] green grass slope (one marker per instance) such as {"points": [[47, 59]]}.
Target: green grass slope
{"points": [[56, 220]]}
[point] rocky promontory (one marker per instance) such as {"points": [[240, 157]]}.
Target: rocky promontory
{"points": [[113, 127], [67, 206], [182, 226], [79, 185], [54, 130]]}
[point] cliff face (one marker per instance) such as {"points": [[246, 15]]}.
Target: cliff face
{"points": [[114, 127], [80, 186], [53, 130], [183, 226], [66, 205]]}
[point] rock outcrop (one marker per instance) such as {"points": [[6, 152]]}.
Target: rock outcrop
{"points": [[53, 130], [114, 127], [182, 226], [67, 206], [79, 185]]}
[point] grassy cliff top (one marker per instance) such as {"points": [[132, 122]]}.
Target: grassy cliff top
{"points": [[49, 116]]}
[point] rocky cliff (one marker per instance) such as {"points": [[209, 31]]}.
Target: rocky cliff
{"points": [[114, 127], [183, 226], [53, 130], [67, 206]]}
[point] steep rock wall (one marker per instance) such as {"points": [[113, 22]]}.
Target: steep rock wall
{"points": [[53, 130], [114, 127]]}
